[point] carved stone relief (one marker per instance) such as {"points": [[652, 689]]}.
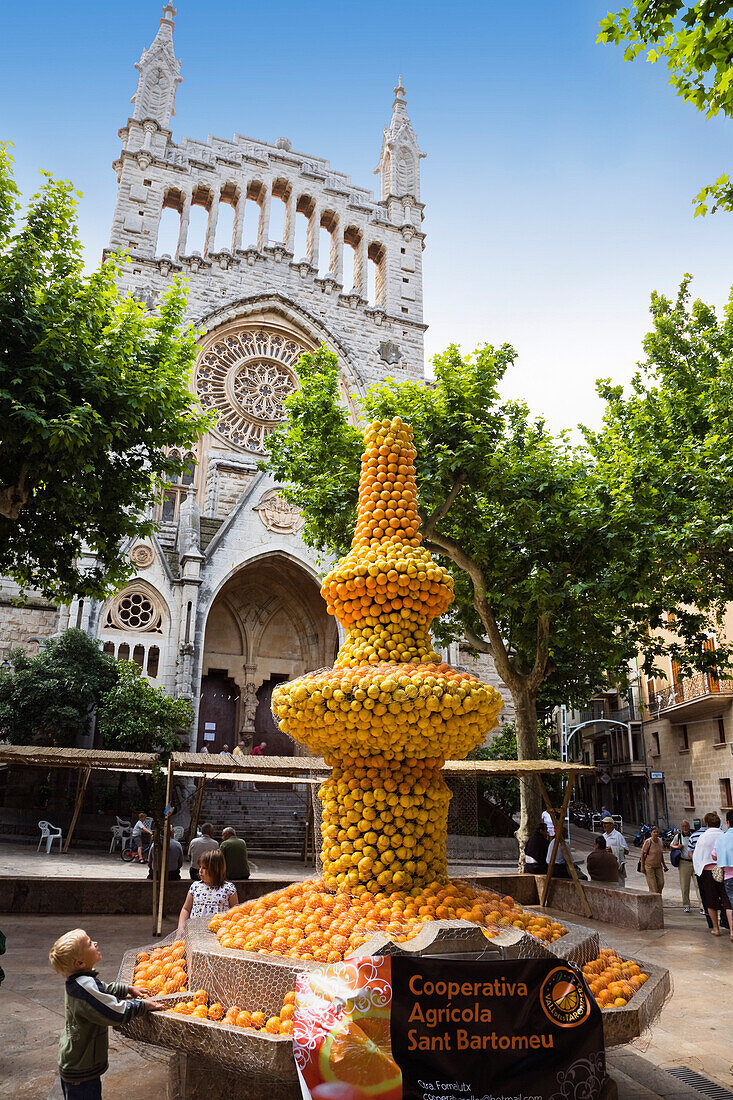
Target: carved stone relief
{"points": [[142, 555], [277, 514]]}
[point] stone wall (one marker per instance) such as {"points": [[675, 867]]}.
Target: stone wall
{"points": [[20, 623], [701, 756]]}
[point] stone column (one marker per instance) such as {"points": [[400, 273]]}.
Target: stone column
{"points": [[239, 221], [337, 254], [183, 232], [314, 232], [263, 235], [290, 223], [360, 267], [211, 227]]}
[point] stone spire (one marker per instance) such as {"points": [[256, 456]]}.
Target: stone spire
{"points": [[399, 161], [159, 75]]}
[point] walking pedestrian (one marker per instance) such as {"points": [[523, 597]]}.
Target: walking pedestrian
{"points": [[235, 854], [683, 843], [653, 863], [714, 897], [723, 856], [535, 851]]}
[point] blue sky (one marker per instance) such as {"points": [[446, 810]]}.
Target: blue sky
{"points": [[557, 183]]}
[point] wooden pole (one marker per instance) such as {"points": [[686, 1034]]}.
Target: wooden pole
{"points": [[164, 853], [559, 839], [309, 830], [198, 799], [81, 785]]}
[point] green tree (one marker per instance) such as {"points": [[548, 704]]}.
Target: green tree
{"points": [[134, 716], [93, 394], [696, 43], [50, 699], [664, 450]]}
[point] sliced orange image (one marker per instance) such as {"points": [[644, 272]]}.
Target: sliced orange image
{"points": [[376, 1027], [566, 996], [349, 1055]]}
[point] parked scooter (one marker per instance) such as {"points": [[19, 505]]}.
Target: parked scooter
{"points": [[645, 831]]}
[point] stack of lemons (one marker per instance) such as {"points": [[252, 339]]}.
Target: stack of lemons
{"points": [[384, 825], [389, 713]]}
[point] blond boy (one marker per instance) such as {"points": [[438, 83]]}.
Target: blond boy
{"points": [[91, 1007]]}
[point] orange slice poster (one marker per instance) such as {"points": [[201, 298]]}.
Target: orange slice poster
{"points": [[405, 1028]]}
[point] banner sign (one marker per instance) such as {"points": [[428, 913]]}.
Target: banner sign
{"points": [[406, 1028]]}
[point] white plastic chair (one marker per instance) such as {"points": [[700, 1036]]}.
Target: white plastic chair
{"points": [[178, 832], [49, 833], [119, 833]]}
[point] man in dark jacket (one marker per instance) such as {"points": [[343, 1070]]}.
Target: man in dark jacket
{"points": [[601, 864]]}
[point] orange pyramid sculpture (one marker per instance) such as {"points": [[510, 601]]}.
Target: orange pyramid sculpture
{"points": [[388, 714]]}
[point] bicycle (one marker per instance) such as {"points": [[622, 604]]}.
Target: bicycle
{"points": [[129, 851], [130, 845]]}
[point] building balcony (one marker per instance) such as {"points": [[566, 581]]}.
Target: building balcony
{"points": [[700, 695]]}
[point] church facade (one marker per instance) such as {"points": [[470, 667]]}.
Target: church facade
{"points": [[281, 253]]}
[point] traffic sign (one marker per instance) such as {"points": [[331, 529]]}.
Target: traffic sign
{"points": [[656, 775]]}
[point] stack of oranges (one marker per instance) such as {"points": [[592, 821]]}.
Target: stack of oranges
{"points": [[388, 713], [198, 1008], [163, 970], [387, 589], [383, 825], [613, 981], [306, 921]]}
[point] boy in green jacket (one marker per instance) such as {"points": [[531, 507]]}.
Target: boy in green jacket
{"points": [[91, 1007]]}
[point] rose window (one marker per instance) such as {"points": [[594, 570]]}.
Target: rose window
{"points": [[261, 388], [244, 378], [135, 609]]}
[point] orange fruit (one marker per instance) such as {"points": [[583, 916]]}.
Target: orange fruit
{"points": [[349, 1056]]}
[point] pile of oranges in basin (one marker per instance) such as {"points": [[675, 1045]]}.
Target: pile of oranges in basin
{"points": [[163, 970], [306, 921], [198, 1008], [613, 981]]}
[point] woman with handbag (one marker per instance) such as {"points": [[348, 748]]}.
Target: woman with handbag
{"points": [[653, 864], [680, 856], [714, 897]]}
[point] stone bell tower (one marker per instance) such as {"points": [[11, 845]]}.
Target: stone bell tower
{"points": [[159, 75], [399, 163]]}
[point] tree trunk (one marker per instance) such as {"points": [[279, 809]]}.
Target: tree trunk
{"points": [[530, 804]]}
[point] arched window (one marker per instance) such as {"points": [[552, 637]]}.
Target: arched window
{"points": [[377, 283], [177, 487], [225, 219], [252, 213], [169, 226], [198, 220], [328, 244], [278, 211]]}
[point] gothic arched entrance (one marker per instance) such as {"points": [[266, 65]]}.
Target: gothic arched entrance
{"points": [[267, 624]]}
